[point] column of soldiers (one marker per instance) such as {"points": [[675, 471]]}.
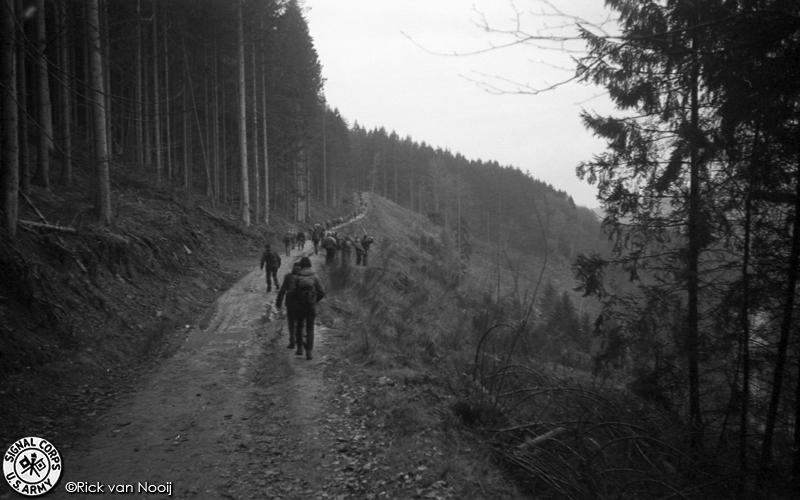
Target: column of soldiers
{"points": [[301, 289], [296, 240], [332, 243]]}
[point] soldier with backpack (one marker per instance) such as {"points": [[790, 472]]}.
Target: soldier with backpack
{"points": [[291, 303], [347, 250], [301, 240], [288, 242], [359, 250], [306, 289], [331, 245], [366, 241], [316, 236], [271, 261]]}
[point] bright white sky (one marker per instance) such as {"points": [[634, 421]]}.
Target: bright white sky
{"points": [[381, 69]]}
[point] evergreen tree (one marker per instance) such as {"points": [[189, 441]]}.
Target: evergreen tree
{"points": [[701, 176], [9, 150], [654, 176]]}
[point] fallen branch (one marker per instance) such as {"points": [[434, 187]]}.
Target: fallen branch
{"points": [[213, 216], [30, 203], [225, 223], [69, 252], [49, 227], [547, 436]]}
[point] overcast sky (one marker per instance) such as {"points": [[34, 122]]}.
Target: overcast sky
{"points": [[382, 68]]}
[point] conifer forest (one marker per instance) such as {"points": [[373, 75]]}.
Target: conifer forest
{"points": [[690, 267]]}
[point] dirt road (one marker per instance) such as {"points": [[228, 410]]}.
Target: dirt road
{"points": [[233, 414]]}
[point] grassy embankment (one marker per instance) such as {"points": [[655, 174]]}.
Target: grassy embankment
{"points": [[447, 366]]}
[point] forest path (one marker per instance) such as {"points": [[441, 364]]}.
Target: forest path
{"points": [[233, 414]]}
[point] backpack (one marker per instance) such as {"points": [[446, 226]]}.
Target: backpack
{"points": [[304, 290], [273, 261]]}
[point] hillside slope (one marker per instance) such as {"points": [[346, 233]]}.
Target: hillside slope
{"points": [[424, 385], [83, 313], [476, 385], [225, 409]]}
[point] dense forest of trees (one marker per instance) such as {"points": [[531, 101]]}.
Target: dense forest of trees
{"points": [[209, 96], [498, 203], [700, 186], [226, 99]]}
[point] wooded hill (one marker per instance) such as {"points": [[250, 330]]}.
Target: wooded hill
{"points": [[225, 99], [501, 204]]}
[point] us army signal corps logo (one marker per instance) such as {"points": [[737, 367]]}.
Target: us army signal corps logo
{"points": [[32, 466]]}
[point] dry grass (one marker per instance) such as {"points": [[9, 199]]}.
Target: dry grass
{"points": [[409, 311]]}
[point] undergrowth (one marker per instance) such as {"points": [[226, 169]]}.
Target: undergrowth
{"points": [[535, 427]]}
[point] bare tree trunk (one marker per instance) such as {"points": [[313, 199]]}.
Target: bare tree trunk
{"points": [[308, 186], [264, 134], [166, 108], [187, 156], [458, 221], [693, 258], [324, 155], [745, 321], [215, 199], [103, 207], [9, 153], [197, 120], [208, 125], [138, 108], [88, 94], [65, 94], [156, 100], [411, 179], [384, 169], [105, 43], [796, 451], [292, 187], [225, 167], [497, 242], [783, 343], [245, 188], [44, 105], [256, 161], [148, 109], [190, 156], [745, 344], [23, 109]]}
